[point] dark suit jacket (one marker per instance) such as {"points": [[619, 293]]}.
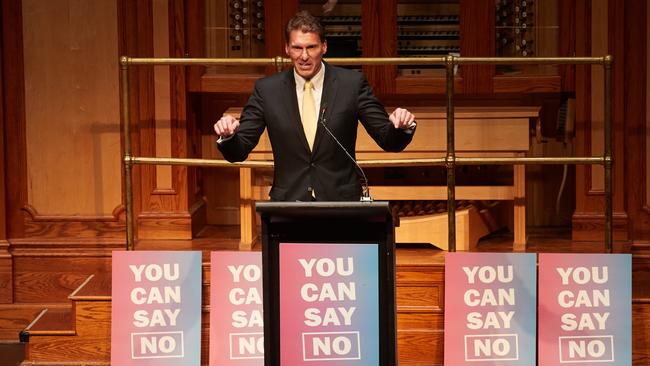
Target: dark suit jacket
{"points": [[346, 99]]}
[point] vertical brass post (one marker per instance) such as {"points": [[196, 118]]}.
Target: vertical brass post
{"points": [[278, 63], [609, 233], [451, 157], [127, 164]]}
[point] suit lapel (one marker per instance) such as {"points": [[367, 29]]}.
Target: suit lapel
{"points": [[292, 110], [327, 101]]}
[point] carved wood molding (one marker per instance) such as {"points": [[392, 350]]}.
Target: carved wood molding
{"points": [[167, 225], [164, 192], [6, 273], [116, 215], [73, 226], [591, 227], [4, 249], [66, 246]]}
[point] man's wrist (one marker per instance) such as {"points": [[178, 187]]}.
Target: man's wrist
{"points": [[410, 128], [222, 139]]}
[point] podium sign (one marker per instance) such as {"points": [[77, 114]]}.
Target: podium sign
{"points": [[585, 309], [329, 283], [156, 308], [329, 304], [236, 309], [490, 306]]}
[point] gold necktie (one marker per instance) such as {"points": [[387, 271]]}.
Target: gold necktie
{"points": [[309, 114]]}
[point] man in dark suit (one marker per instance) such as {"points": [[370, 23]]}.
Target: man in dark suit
{"points": [[295, 104]]}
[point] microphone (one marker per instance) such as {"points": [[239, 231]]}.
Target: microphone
{"points": [[365, 189]]}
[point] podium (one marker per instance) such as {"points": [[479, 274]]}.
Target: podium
{"points": [[329, 283]]}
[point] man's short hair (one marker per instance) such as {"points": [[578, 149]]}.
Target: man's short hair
{"points": [[305, 22]]}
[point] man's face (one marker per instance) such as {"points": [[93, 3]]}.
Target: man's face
{"points": [[306, 52]]}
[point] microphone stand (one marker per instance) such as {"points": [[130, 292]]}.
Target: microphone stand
{"points": [[365, 188]]}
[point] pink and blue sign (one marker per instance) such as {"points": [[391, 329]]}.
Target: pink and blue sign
{"points": [[585, 309], [156, 308], [329, 304], [490, 305], [236, 309]]}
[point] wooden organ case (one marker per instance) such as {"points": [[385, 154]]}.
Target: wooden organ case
{"points": [[424, 28], [390, 28], [526, 28], [234, 29]]}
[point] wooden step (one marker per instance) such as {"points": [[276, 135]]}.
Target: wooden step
{"points": [[48, 270], [15, 317], [94, 288], [51, 321], [78, 335]]}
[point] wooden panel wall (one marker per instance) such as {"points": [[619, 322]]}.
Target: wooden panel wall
{"points": [[646, 201], [67, 134], [379, 35], [62, 144], [588, 220], [176, 211], [637, 133], [3, 221], [5, 256], [619, 28], [162, 90], [14, 116], [13, 125], [71, 108], [599, 46], [61, 123], [567, 46], [159, 193], [477, 40]]}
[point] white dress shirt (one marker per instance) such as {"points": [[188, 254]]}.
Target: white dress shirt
{"points": [[317, 81]]}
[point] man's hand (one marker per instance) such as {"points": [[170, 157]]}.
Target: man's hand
{"points": [[401, 118], [226, 126]]}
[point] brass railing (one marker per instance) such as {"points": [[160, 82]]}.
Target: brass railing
{"points": [[449, 161]]}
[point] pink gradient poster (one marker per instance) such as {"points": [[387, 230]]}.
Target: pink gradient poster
{"points": [[490, 306], [236, 309], [585, 309], [156, 308], [329, 308]]}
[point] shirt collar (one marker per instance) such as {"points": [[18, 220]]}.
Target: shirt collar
{"points": [[317, 80]]}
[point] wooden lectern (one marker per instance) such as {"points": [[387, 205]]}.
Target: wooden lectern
{"points": [[365, 225]]}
